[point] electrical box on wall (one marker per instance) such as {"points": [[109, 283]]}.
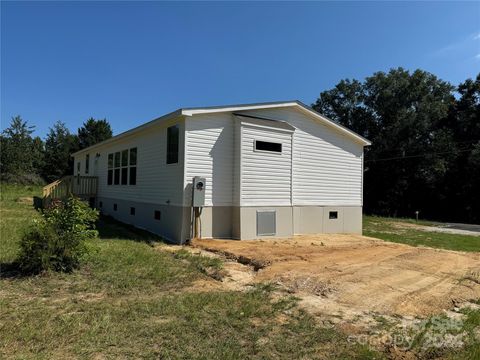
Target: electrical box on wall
{"points": [[198, 197]]}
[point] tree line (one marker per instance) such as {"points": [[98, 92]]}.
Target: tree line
{"points": [[26, 159], [425, 133], [425, 152]]}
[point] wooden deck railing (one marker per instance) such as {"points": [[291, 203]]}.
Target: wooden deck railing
{"points": [[83, 186]]}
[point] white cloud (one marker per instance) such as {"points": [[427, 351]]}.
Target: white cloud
{"points": [[461, 46]]}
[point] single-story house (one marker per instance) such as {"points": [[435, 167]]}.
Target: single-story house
{"points": [[261, 170]]}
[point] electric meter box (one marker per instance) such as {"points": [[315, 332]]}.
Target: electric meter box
{"points": [[198, 198]]}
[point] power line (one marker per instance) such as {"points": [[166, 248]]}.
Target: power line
{"points": [[418, 156], [475, 141]]}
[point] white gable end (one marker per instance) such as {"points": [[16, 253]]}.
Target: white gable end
{"points": [[318, 165], [327, 166]]}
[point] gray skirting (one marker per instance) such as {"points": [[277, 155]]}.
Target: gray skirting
{"points": [[232, 222]]}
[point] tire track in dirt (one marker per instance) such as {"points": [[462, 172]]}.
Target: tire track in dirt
{"points": [[358, 273]]}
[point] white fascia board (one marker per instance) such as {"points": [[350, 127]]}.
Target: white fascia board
{"points": [[190, 112]]}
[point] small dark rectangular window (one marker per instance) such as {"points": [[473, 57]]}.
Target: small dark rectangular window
{"points": [[132, 211], [110, 177], [173, 135], [100, 204], [116, 179], [268, 146], [333, 215], [87, 163], [157, 215], [124, 176], [115, 207], [110, 161], [133, 176]]}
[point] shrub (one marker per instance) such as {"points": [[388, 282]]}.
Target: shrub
{"points": [[57, 241], [22, 179]]}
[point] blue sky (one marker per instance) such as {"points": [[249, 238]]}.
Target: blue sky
{"points": [[131, 62]]}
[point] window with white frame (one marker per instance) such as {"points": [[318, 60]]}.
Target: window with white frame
{"points": [[122, 167]]}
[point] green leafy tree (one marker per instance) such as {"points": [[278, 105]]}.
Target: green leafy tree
{"points": [[463, 179], [59, 145], [345, 104], [93, 131], [38, 154], [21, 156], [403, 114], [16, 147]]}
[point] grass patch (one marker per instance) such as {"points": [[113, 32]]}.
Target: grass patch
{"points": [[209, 266], [131, 299], [405, 220], [437, 337], [221, 325], [386, 229], [109, 228], [15, 215], [471, 327]]}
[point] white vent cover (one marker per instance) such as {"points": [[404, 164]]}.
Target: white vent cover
{"points": [[266, 222]]}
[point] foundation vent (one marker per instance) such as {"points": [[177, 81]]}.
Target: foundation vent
{"points": [[266, 222]]}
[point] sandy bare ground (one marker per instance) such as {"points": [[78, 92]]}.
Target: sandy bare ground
{"points": [[351, 274]]}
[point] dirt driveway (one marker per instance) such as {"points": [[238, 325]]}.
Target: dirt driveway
{"points": [[352, 273]]}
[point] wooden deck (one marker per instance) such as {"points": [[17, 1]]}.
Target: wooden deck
{"points": [[81, 186]]}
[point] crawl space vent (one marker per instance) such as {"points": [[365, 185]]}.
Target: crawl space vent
{"points": [[266, 224]]}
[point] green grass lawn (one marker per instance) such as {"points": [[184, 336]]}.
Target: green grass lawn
{"points": [[391, 229], [131, 299]]}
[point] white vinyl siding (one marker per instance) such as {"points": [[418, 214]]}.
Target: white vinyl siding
{"points": [[220, 147], [77, 166], [266, 176], [210, 154], [327, 166], [237, 133], [157, 182], [317, 166], [83, 164]]}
